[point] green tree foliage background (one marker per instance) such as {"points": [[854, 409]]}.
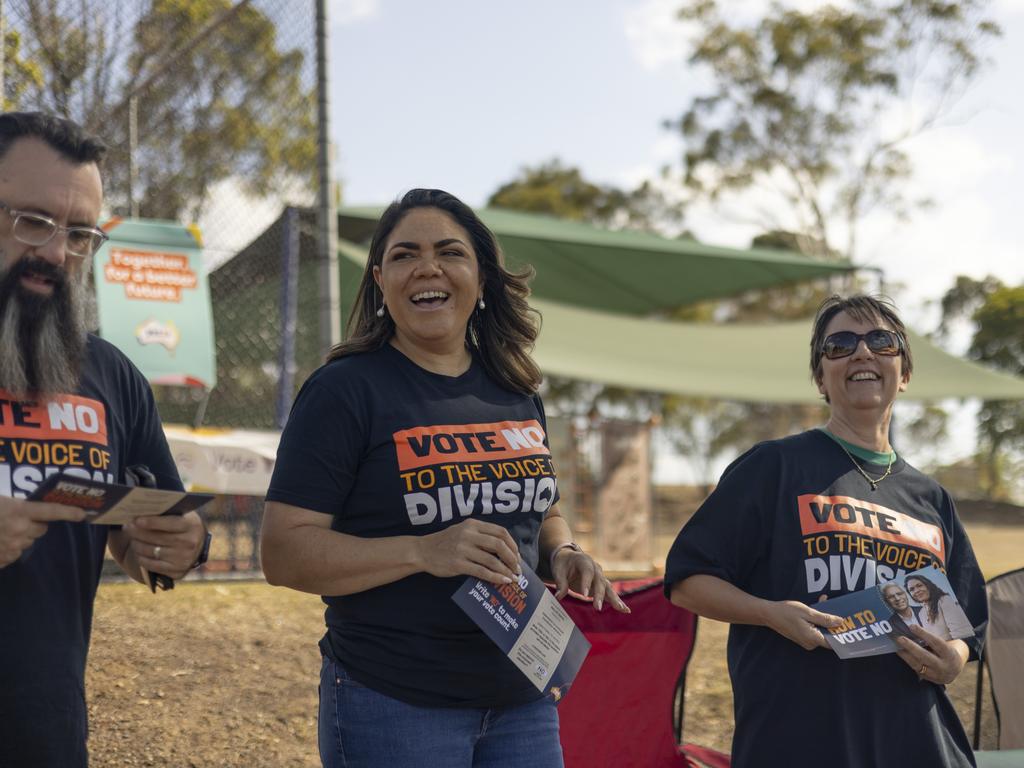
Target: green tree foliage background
{"points": [[702, 429], [218, 95], [995, 312], [816, 106]]}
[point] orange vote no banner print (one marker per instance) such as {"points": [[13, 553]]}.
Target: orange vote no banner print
{"points": [[497, 441], [846, 514], [66, 417]]}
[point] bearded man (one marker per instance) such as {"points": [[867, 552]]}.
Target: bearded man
{"points": [[69, 402]]}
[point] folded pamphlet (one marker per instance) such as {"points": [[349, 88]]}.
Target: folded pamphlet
{"points": [[875, 617], [530, 627], [113, 504]]}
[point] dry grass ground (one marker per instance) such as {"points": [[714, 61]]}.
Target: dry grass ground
{"points": [[217, 675]]}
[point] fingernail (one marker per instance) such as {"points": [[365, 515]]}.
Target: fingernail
{"points": [[506, 580], [599, 605]]}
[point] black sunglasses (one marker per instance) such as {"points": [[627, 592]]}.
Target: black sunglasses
{"points": [[878, 341]]}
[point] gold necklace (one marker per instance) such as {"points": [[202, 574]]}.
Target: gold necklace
{"points": [[873, 480]]}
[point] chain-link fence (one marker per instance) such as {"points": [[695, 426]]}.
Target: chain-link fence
{"points": [[209, 109]]}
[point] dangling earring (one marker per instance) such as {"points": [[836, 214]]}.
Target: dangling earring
{"points": [[481, 303], [380, 311]]}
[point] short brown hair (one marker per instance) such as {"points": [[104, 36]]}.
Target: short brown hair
{"points": [[66, 137], [866, 309]]}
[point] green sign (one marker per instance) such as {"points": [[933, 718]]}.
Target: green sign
{"points": [[154, 304]]}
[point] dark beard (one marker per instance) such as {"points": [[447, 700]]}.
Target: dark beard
{"points": [[42, 338]]}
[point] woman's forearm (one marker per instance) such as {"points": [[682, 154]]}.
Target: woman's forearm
{"points": [[299, 553], [554, 532], [717, 599]]}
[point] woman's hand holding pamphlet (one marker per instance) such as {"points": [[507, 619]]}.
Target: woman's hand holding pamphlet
{"points": [[875, 617], [530, 626]]}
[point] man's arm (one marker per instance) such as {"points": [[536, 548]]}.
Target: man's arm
{"points": [[167, 544], [22, 522]]}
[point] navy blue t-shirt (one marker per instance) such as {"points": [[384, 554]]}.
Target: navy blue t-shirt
{"points": [[46, 597], [793, 519], [389, 449]]}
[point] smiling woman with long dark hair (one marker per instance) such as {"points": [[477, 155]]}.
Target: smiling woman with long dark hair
{"points": [[821, 514], [415, 457], [937, 615]]}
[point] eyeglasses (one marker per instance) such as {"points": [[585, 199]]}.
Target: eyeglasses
{"points": [[36, 229], [845, 343]]}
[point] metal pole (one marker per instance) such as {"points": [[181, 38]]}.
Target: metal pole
{"points": [[289, 312], [327, 215], [133, 166], [3, 57]]}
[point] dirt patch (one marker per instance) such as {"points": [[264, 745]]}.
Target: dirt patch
{"points": [[224, 675], [208, 674]]}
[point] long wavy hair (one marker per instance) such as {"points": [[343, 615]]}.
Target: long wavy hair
{"points": [[501, 336], [934, 595]]}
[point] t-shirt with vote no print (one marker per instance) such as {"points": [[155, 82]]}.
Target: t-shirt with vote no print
{"points": [[792, 519], [46, 596], [389, 449]]}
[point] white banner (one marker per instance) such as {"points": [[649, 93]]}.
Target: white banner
{"points": [[223, 460]]}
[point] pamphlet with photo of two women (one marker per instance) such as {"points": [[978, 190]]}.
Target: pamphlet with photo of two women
{"points": [[875, 617]]}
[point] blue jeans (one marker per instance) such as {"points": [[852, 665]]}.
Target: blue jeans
{"points": [[361, 728]]}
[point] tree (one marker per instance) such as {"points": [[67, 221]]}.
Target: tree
{"points": [[217, 98], [700, 428], [804, 103], [18, 74], [996, 312], [559, 190], [555, 189]]}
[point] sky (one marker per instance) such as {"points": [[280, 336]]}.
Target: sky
{"points": [[462, 94]]}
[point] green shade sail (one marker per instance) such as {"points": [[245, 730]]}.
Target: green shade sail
{"points": [[753, 363], [762, 363], [750, 363], [622, 271]]}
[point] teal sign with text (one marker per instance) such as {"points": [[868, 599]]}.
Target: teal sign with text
{"points": [[154, 304]]}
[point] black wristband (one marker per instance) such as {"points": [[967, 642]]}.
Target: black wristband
{"points": [[204, 552]]}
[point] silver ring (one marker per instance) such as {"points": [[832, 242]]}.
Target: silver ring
{"points": [[156, 552]]}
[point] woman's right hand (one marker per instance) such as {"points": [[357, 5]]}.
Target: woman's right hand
{"points": [[799, 623], [471, 548]]}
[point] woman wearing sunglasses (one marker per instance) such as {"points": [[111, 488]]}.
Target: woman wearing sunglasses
{"points": [[817, 515]]}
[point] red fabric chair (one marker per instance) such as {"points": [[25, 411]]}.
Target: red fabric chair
{"points": [[619, 711]]}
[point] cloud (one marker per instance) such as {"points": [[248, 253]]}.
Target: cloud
{"points": [[660, 39], [965, 233], [665, 150], [345, 12], [655, 34]]}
